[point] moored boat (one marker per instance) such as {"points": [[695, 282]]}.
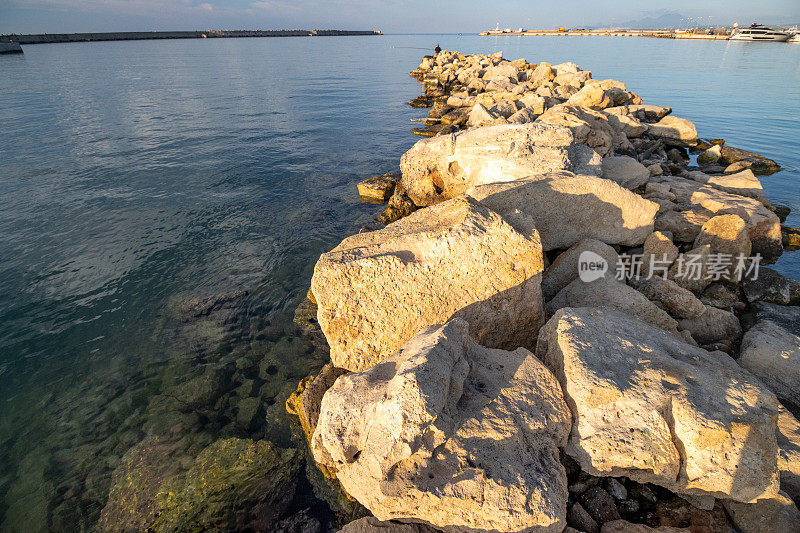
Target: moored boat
{"points": [[758, 32], [10, 47]]}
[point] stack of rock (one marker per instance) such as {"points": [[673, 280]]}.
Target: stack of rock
{"points": [[478, 382]]}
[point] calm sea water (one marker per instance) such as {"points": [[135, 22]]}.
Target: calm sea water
{"points": [[163, 203]]}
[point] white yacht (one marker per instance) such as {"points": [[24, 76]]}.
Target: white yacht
{"points": [[795, 38], [757, 32]]}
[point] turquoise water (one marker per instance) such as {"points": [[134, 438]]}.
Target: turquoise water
{"points": [[163, 203]]}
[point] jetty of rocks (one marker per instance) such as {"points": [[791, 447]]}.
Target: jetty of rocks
{"points": [[497, 364]]}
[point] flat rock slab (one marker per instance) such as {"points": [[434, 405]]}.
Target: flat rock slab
{"points": [[376, 290], [380, 187], [566, 208], [452, 434], [647, 406], [443, 167]]}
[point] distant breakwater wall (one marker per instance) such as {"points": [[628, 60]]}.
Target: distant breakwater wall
{"points": [[149, 35]]}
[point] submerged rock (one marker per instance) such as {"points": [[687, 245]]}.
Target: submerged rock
{"points": [[441, 168], [376, 290], [452, 434], [234, 484], [647, 406], [379, 187], [566, 209]]}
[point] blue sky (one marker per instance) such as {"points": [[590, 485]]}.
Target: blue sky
{"points": [[391, 16]]}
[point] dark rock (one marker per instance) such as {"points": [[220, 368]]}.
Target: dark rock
{"points": [[581, 520], [760, 164], [370, 524], [421, 101], [628, 507], [616, 489], [677, 512], [301, 522], [643, 493], [771, 287], [722, 297], [785, 316], [791, 238], [782, 211], [399, 206], [600, 504]]}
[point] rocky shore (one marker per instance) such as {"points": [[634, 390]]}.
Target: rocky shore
{"points": [[561, 323]]}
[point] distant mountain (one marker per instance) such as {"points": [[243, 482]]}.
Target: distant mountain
{"points": [[654, 20]]}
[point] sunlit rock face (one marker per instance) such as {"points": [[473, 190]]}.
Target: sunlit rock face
{"points": [[442, 167], [450, 433], [376, 290], [647, 406]]}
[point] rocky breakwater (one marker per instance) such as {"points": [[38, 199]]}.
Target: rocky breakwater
{"points": [[564, 326]]}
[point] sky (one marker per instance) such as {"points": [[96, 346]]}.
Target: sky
{"points": [[390, 16]]}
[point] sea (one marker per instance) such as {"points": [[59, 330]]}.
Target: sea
{"points": [[162, 205]]}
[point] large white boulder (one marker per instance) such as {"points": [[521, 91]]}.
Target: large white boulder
{"points": [[566, 208], [566, 267], [657, 410], [589, 127], [443, 167], [675, 130], [452, 434], [772, 352], [376, 290], [609, 293], [626, 171]]}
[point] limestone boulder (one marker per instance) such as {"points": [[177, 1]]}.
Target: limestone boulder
{"points": [[692, 269], [788, 436], [589, 127], [450, 434], [713, 325], [609, 293], [627, 124], [675, 130], [566, 267], [669, 296], [566, 209], [650, 407], [376, 290], [480, 116], [645, 111], [626, 171], [778, 514], [683, 225], [727, 236], [380, 187], [597, 94], [442, 167], [772, 353], [542, 74], [658, 254], [763, 226], [743, 183], [771, 287]]}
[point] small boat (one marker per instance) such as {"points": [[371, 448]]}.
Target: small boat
{"points": [[757, 32], [795, 38], [10, 47]]}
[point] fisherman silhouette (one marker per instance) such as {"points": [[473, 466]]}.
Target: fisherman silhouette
{"points": [[437, 49]]}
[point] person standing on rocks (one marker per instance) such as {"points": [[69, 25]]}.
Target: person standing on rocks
{"points": [[437, 49]]}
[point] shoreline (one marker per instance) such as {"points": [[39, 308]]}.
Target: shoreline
{"points": [[52, 38], [657, 34]]}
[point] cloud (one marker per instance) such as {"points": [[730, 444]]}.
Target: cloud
{"points": [[206, 7]]}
